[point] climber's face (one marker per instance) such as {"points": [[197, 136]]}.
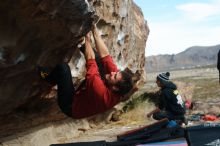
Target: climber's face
{"points": [[113, 78], [158, 83]]}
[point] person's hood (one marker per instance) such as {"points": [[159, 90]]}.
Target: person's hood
{"points": [[170, 85]]}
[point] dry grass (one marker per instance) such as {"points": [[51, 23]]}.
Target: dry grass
{"points": [[137, 116]]}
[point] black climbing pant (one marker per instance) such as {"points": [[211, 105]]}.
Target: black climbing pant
{"points": [[61, 75]]}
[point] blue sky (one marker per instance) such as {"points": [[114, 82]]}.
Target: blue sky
{"points": [[176, 25]]}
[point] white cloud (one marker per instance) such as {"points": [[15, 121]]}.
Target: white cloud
{"points": [[200, 11], [174, 37]]}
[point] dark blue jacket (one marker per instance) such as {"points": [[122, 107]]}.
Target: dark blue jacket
{"points": [[170, 100]]}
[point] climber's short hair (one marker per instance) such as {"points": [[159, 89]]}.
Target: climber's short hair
{"points": [[126, 83]]}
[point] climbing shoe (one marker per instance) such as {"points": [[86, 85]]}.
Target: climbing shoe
{"points": [[43, 72]]}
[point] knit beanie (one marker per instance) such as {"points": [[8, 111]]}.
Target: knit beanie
{"points": [[163, 77]]}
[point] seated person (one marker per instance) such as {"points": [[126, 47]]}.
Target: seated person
{"points": [[171, 105]]}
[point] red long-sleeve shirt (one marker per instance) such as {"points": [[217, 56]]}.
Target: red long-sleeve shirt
{"points": [[96, 97]]}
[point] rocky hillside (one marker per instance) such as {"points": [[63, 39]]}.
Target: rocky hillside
{"points": [[195, 56], [47, 32]]}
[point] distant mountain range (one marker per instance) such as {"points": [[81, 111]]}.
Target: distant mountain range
{"points": [[195, 56]]}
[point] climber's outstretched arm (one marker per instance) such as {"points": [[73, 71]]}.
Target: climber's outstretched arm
{"points": [[89, 53], [100, 45]]}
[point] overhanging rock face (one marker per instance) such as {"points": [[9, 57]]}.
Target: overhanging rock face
{"points": [[36, 32], [46, 32]]}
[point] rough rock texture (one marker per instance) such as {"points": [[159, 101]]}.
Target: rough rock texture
{"points": [[46, 32]]}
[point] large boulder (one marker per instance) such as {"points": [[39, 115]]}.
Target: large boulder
{"points": [[47, 32]]}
